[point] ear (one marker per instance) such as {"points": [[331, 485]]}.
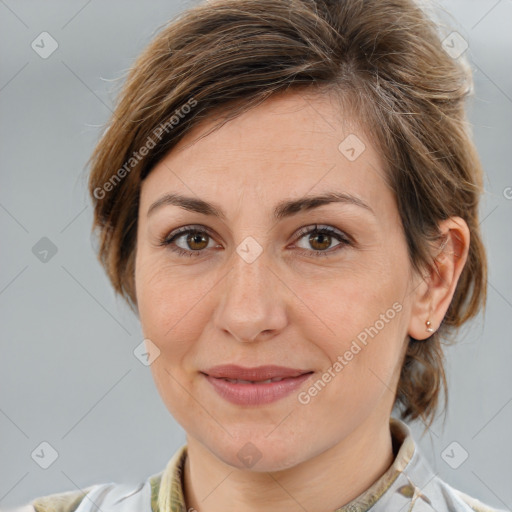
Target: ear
{"points": [[434, 290]]}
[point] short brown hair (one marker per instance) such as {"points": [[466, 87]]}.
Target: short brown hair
{"points": [[384, 57]]}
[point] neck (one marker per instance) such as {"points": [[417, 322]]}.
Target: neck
{"points": [[337, 476]]}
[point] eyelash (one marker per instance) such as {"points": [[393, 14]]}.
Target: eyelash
{"points": [[308, 230]]}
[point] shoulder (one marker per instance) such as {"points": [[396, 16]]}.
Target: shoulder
{"points": [[107, 497], [474, 504], [59, 502], [455, 500], [418, 486]]}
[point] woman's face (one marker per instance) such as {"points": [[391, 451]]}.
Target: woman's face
{"points": [[248, 282]]}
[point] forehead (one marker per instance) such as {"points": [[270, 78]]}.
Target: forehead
{"points": [[290, 145]]}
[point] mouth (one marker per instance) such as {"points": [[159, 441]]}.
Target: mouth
{"points": [[255, 386]]}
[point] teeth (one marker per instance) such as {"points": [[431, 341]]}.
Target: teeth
{"points": [[239, 381]]}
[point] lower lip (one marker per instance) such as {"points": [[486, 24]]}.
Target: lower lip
{"points": [[257, 393]]}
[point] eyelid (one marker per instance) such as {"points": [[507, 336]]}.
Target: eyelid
{"points": [[185, 229], [323, 227]]}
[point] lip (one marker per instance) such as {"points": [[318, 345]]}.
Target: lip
{"points": [[256, 392]]}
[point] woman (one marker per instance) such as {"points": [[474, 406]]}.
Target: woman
{"points": [[287, 195]]}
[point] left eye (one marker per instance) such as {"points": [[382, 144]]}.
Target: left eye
{"points": [[321, 238]]}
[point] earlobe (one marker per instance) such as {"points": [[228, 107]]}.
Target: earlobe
{"points": [[435, 292]]}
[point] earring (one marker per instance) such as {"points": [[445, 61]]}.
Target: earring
{"points": [[429, 327]]}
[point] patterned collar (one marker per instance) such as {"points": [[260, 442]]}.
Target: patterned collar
{"points": [[168, 496]]}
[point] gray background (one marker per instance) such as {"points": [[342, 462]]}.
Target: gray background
{"points": [[68, 375]]}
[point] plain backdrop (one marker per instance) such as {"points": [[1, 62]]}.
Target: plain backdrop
{"points": [[68, 375]]}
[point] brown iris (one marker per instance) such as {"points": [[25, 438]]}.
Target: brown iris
{"points": [[200, 239], [321, 240]]}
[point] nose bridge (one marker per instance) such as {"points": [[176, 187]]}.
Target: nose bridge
{"points": [[250, 303]]}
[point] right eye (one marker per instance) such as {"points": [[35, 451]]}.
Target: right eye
{"points": [[189, 241]]}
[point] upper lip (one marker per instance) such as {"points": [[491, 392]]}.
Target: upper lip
{"points": [[257, 373]]}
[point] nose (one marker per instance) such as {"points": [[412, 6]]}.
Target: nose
{"points": [[251, 305]]}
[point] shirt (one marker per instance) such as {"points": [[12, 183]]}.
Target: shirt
{"points": [[408, 485]]}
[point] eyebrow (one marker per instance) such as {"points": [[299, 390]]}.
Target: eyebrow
{"points": [[283, 209]]}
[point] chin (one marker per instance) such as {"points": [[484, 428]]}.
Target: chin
{"points": [[258, 453], [251, 458]]}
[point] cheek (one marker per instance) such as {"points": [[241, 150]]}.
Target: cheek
{"points": [[172, 314], [169, 310], [347, 304], [359, 323], [363, 368], [168, 297]]}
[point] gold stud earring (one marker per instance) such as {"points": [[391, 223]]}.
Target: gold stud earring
{"points": [[429, 327]]}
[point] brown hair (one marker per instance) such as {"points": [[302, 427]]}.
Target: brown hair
{"points": [[384, 57]]}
